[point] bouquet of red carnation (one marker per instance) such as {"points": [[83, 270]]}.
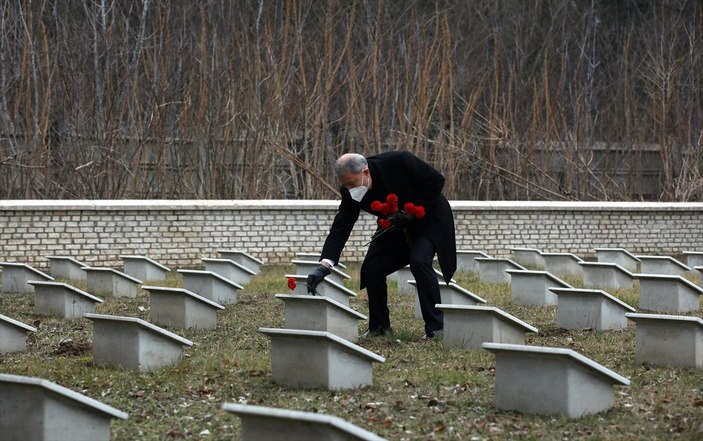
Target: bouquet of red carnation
{"points": [[392, 217]]}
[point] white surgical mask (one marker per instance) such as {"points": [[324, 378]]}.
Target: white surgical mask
{"points": [[357, 193]]}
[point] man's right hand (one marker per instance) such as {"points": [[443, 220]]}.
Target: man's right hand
{"points": [[316, 277]]}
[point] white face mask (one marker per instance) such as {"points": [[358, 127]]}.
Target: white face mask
{"points": [[357, 193]]}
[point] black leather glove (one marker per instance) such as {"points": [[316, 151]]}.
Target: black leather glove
{"points": [[315, 278]]}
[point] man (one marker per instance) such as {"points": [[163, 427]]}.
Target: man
{"points": [[365, 180]]}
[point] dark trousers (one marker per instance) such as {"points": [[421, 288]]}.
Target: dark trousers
{"points": [[390, 258]]}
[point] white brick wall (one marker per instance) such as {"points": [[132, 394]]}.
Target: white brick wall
{"points": [[180, 233]]}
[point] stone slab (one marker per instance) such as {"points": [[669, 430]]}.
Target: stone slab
{"points": [[316, 257], [62, 300], [563, 264], [494, 270], [581, 308], [273, 424], [327, 288], [109, 281], [530, 258], [36, 409], [13, 335], [551, 381], [451, 294], [668, 340], [317, 313], [532, 287], [468, 327], [242, 258], [65, 267], [694, 258], [229, 269], [465, 260], [16, 275], [132, 343], [619, 256], [144, 268], [181, 308], [316, 359], [308, 266], [210, 285], [607, 276], [664, 265], [664, 293]]}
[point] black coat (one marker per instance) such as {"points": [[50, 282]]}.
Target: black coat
{"points": [[412, 180]]}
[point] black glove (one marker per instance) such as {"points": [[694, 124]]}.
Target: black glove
{"points": [[315, 278]]}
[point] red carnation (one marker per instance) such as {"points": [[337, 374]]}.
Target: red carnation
{"points": [[377, 205], [384, 224], [388, 209], [291, 283], [392, 199], [410, 208], [419, 212]]}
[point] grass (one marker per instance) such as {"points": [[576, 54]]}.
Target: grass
{"points": [[421, 392]]}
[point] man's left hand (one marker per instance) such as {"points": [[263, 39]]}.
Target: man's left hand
{"points": [[316, 277]]}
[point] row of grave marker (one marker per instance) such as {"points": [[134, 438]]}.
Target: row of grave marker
{"points": [[127, 342], [495, 347]]}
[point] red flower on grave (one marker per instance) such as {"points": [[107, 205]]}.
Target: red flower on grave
{"points": [[291, 283]]}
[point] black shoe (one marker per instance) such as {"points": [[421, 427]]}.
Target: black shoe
{"points": [[434, 335], [371, 333]]}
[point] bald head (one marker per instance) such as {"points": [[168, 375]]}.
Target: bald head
{"points": [[350, 163]]}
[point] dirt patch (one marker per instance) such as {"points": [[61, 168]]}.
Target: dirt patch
{"points": [[70, 348]]}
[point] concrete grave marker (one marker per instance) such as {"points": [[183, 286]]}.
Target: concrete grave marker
{"points": [[132, 343], [64, 267], [668, 340], [181, 308], [404, 277], [143, 268], [36, 409], [532, 287], [528, 257], [271, 424], [318, 359], [316, 258], [13, 335], [664, 265], [467, 327], [694, 258], [551, 381], [451, 294], [494, 270], [16, 275], [211, 286], [465, 260], [316, 313], [590, 308], [327, 288], [308, 266], [659, 292], [109, 281], [603, 275], [563, 264], [242, 258], [619, 256], [62, 300], [229, 269]]}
